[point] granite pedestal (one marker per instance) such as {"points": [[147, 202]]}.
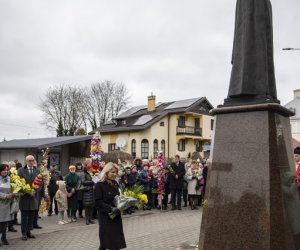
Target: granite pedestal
{"points": [[251, 157]]}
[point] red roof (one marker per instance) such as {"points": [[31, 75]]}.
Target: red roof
{"points": [[295, 143]]}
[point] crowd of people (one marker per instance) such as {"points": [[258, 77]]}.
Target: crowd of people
{"points": [[77, 191], [68, 196]]}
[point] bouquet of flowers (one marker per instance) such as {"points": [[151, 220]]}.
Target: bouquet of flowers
{"points": [[96, 150], [18, 184], [171, 170], [138, 193], [123, 202]]}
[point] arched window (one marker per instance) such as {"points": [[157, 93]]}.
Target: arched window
{"points": [[155, 148], [163, 146], [133, 148], [144, 149]]}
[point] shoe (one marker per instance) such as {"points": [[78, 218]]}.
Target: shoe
{"points": [[179, 208], [37, 227], [65, 221], [30, 236], [92, 222], [17, 223], [80, 216], [4, 241], [87, 222], [61, 222], [49, 214], [124, 212], [69, 220], [73, 219], [173, 208], [12, 229], [24, 237]]}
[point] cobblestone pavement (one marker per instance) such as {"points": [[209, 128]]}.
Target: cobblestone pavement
{"points": [[144, 230]]}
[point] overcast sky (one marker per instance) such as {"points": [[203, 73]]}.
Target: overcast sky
{"points": [[175, 49]]}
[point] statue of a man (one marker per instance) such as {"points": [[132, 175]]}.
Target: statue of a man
{"points": [[252, 76]]}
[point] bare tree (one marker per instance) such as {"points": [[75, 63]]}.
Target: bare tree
{"points": [[63, 109], [105, 100]]}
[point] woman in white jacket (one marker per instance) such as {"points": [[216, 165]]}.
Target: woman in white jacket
{"points": [[193, 177]]}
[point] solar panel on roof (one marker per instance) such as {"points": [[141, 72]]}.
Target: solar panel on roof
{"points": [[131, 111], [143, 120], [182, 103]]}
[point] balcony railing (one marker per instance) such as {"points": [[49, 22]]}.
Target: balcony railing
{"points": [[188, 130]]}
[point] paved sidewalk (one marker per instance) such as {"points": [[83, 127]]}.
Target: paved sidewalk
{"points": [[144, 230]]}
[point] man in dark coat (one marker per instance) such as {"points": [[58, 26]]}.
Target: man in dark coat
{"points": [[177, 173], [28, 203]]}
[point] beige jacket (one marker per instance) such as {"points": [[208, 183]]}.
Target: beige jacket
{"points": [[61, 196]]}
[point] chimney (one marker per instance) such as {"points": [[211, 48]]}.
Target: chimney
{"points": [[151, 103], [296, 93]]}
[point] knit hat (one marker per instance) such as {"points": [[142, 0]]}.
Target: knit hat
{"points": [[297, 151]]}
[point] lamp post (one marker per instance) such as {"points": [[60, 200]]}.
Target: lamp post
{"points": [[291, 49]]}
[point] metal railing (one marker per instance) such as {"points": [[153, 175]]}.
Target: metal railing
{"points": [[188, 130]]}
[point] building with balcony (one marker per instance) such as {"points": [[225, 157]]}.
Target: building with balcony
{"points": [[294, 105], [180, 127]]}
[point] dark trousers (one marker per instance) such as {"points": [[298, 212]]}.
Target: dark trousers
{"points": [[149, 197], [176, 195], [26, 221], [52, 198], [165, 199], [88, 209], [35, 217], [3, 227], [80, 207]]}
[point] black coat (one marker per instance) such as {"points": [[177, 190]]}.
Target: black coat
{"points": [[180, 171], [54, 177], [72, 181], [110, 230], [88, 191], [28, 202]]}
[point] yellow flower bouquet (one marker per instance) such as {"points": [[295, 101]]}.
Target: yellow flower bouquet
{"points": [[18, 184]]}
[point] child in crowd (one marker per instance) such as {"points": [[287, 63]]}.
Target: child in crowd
{"points": [[61, 197]]}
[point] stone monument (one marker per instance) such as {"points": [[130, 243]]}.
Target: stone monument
{"points": [[250, 178]]}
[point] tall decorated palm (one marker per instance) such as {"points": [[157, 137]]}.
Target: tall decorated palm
{"points": [[160, 177], [96, 154]]}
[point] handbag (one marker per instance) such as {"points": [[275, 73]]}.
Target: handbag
{"points": [[14, 205]]}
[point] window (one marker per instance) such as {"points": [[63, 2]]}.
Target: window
{"points": [[197, 122], [181, 121], [144, 149], [199, 146], [163, 146], [162, 124], [111, 147], [211, 124], [155, 148], [181, 145], [133, 148]]}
